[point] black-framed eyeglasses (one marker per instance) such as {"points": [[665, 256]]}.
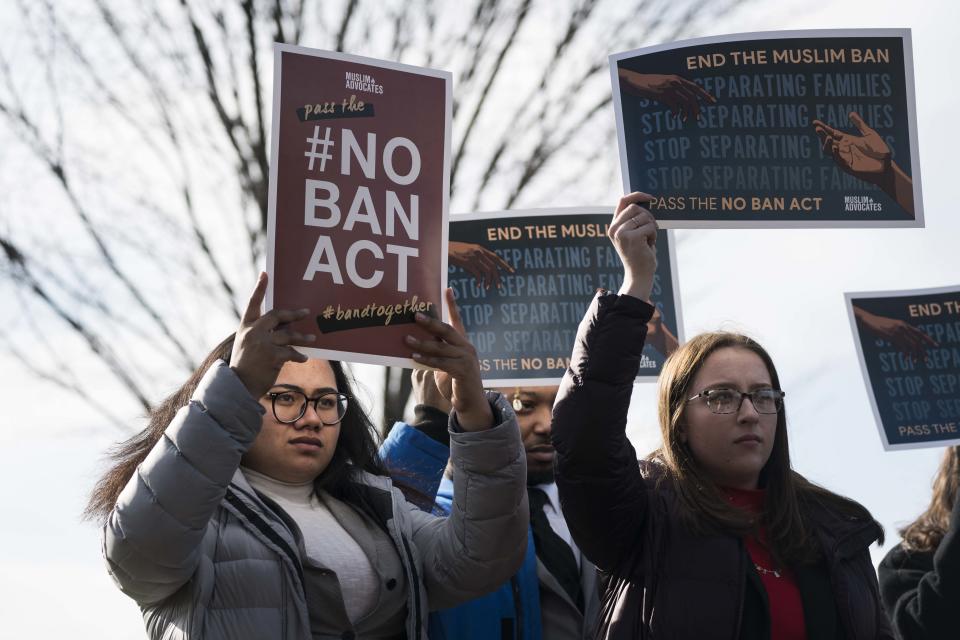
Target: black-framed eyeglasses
{"points": [[765, 401], [290, 405]]}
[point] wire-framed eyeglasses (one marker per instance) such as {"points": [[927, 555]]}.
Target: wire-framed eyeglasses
{"points": [[765, 401], [290, 405]]}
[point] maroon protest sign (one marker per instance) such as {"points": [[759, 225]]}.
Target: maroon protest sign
{"points": [[357, 226]]}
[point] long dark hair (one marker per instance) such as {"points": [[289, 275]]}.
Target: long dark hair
{"points": [[703, 506], [926, 532], [356, 446]]}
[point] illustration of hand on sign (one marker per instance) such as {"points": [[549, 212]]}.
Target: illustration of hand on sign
{"points": [[867, 156], [902, 335], [484, 265], [675, 92]]}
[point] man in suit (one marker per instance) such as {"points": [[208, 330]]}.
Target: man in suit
{"points": [[554, 595], [569, 600]]}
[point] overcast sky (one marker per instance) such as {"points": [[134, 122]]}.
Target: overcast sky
{"points": [[785, 288]]}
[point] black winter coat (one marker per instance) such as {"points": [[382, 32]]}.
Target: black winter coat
{"points": [[662, 580], [921, 589]]}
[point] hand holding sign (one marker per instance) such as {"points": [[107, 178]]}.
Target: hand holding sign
{"points": [[426, 392], [458, 378], [634, 236], [262, 344]]}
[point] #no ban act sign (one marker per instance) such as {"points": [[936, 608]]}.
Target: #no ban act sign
{"points": [[357, 222]]}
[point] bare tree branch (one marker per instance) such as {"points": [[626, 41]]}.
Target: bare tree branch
{"points": [[348, 13], [17, 115], [277, 14], [484, 17], [185, 87], [62, 383], [164, 106], [259, 136], [229, 124], [472, 121], [20, 272]]}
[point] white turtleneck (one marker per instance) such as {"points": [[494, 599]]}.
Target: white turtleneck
{"points": [[325, 540]]}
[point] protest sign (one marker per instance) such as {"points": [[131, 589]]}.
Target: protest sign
{"points": [[357, 217], [909, 348], [779, 129], [524, 279]]}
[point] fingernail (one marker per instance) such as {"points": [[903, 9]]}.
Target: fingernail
{"points": [[411, 340], [311, 337], [421, 316], [416, 356]]}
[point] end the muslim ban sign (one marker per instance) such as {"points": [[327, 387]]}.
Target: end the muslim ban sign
{"points": [[357, 216], [778, 129], [908, 343], [524, 280]]}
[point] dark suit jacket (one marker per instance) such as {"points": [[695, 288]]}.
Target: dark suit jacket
{"points": [[560, 617]]}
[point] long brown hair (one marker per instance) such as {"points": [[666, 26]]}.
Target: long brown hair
{"points": [[356, 446], [926, 532], [703, 506]]}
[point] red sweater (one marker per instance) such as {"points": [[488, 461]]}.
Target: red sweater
{"points": [[786, 607]]}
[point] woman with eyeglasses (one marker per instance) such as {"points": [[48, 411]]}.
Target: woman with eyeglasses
{"points": [[713, 535], [920, 577], [254, 504]]}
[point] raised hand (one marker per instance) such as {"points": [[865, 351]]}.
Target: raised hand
{"points": [[633, 233], [458, 370], [484, 265], [675, 92], [262, 343], [426, 392]]}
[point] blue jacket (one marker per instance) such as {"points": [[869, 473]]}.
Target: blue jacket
{"points": [[416, 461]]}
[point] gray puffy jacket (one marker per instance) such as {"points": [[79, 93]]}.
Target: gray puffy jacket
{"points": [[205, 558]]}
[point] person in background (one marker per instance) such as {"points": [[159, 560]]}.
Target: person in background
{"points": [[920, 577], [254, 505], [555, 594], [713, 536]]}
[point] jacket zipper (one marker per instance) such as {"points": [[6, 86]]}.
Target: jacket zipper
{"points": [[743, 586]]}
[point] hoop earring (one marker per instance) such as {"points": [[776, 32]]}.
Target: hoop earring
{"points": [[517, 403]]}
